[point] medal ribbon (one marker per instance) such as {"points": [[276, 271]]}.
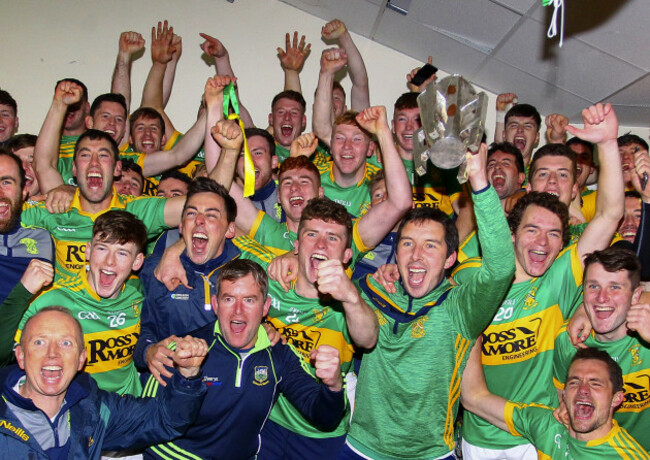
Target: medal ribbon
{"points": [[230, 97]]}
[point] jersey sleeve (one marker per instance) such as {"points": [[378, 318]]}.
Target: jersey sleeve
{"points": [[151, 211], [481, 295], [315, 401], [530, 421], [562, 355]]}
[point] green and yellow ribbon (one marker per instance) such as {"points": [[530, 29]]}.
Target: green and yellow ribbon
{"points": [[230, 97]]}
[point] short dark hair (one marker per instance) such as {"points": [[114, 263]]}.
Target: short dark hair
{"points": [[407, 101], [84, 90], [97, 135], [292, 95], [60, 309], [108, 97], [577, 141], [423, 214], [250, 132], [629, 138], [239, 268], [6, 99], [207, 185], [524, 110], [300, 162], [510, 149], [543, 200], [19, 164], [614, 259], [615, 372], [328, 211], [148, 113], [129, 165], [120, 227], [20, 141], [176, 174], [553, 150]]}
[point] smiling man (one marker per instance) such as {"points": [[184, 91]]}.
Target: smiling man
{"points": [[8, 116], [546, 287], [322, 307], [593, 392], [522, 123], [426, 328], [51, 410], [611, 289], [107, 300], [207, 228], [288, 120], [246, 374]]}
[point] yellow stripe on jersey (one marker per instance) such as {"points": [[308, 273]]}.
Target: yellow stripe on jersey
{"points": [[462, 348], [248, 244]]}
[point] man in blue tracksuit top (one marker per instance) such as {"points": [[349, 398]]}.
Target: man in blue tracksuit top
{"points": [[245, 374], [49, 411], [207, 226]]}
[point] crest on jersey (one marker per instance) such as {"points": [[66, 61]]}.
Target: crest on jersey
{"points": [[261, 375]]}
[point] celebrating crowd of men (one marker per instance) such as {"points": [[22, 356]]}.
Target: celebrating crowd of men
{"points": [[348, 307]]}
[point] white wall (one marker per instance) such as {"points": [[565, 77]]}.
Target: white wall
{"points": [[44, 41], [47, 41]]}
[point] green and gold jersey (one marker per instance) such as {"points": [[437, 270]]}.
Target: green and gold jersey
{"points": [[589, 198], [111, 328], [151, 183], [66, 153], [307, 324], [71, 230], [278, 239], [520, 341], [435, 189], [409, 384], [633, 355], [356, 198], [469, 248], [553, 441]]}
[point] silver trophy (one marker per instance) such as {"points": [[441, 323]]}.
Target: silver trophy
{"points": [[453, 121]]}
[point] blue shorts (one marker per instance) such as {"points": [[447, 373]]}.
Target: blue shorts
{"points": [[278, 443]]}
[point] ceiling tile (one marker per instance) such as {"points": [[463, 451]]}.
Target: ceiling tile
{"points": [[501, 78], [400, 33], [521, 6], [359, 15], [635, 94], [632, 116], [481, 23], [529, 50]]}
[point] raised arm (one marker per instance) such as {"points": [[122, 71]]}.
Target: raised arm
{"points": [[474, 393], [46, 150], [380, 219], [360, 97], [292, 58], [213, 47], [131, 43], [419, 88], [170, 70], [601, 128], [504, 102], [162, 50], [556, 128], [331, 61]]}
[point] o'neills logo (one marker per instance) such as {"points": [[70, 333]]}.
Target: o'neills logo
{"points": [[14, 429]]}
